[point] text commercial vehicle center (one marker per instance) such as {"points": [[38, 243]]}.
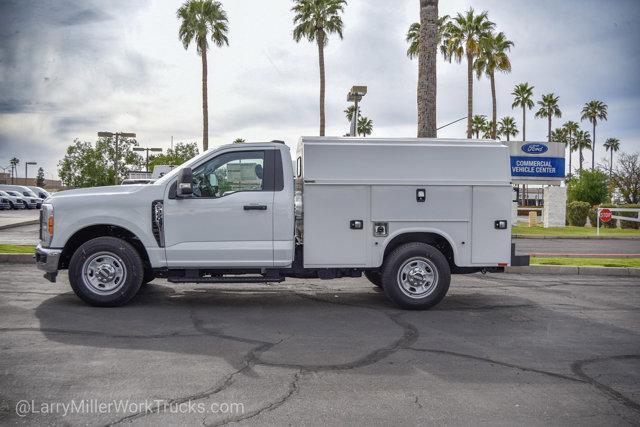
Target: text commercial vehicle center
{"points": [[405, 212]]}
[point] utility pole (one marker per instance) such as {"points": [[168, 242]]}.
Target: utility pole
{"points": [[115, 161]]}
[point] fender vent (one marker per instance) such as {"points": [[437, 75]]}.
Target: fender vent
{"points": [[157, 221]]}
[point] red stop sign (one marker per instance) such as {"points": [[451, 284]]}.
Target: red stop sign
{"points": [[605, 215]]}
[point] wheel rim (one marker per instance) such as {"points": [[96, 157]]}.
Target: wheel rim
{"points": [[418, 277], [104, 273]]}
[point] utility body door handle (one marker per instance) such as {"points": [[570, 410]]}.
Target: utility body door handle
{"points": [[255, 207]]}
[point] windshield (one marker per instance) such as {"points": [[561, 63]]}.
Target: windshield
{"points": [[170, 175], [29, 193], [14, 193], [2, 193]]}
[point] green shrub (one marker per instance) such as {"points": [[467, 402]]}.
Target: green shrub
{"points": [[577, 213], [590, 186]]}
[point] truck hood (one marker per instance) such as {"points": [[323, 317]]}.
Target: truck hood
{"points": [[106, 193]]}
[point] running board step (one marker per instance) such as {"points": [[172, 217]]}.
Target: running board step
{"points": [[223, 279]]}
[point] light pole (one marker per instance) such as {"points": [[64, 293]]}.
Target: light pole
{"points": [[147, 150], [25, 170], [117, 134], [355, 95]]}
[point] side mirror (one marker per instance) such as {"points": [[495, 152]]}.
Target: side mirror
{"points": [[185, 181]]}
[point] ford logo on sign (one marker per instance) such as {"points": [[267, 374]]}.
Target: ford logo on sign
{"points": [[534, 148]]}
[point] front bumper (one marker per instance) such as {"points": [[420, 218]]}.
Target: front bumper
{"points": [[47, 261]]}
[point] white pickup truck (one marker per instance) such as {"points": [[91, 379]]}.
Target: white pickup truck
{"points": [[406, 213]]}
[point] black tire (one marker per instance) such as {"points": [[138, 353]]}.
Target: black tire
{"points": [[416, 254], [102, 249], [374, 277]]}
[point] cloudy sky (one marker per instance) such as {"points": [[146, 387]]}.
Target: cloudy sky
{"points": [[69, 68]]}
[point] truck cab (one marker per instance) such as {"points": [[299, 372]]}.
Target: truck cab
{"points": [[241, 213]]}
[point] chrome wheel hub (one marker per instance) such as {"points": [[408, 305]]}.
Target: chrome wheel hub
{"points": [[418, 277], [104, 273]]}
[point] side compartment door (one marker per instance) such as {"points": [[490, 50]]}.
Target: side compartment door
{"points": [[491, 246], [228, 222]]}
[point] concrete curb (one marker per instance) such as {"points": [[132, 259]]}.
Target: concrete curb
{"points": [[19, 224], [525, 236], [17, 259], [574, 270]]}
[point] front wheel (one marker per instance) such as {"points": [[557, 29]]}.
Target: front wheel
{"points": [[106, 272], [416, 276]]}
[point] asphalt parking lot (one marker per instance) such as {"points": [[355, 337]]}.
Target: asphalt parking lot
{"points": [[500, 349]]}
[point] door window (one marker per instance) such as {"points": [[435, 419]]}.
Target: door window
{"points": [[230, 173]]}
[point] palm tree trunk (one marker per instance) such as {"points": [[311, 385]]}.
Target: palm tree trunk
{"points": [[593, 147], [469, 93], [549, 134], [611, 165], [580, 153], [427, 77], [320, 40], [524, 123], [569, 154], [494, 113], [205, 105], [507, 137]]}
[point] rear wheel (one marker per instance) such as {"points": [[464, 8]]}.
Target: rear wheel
{"points": [[374, 277], [106, 272], [416, 276]]}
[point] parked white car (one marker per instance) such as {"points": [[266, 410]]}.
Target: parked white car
{"points": [[5, 203], [26, 193], [15, 202], [405, 212]]}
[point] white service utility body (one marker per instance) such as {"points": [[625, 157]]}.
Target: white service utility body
{"points": [[405, 212]]}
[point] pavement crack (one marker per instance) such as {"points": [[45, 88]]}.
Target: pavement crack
{"points": [[578, 368], [496, 362], [270, 406]]}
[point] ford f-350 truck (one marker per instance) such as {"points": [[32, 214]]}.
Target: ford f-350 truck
{"points": [[406, 213]]}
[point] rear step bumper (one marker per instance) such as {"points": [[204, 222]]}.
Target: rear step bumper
{"points": [[518, 260]]}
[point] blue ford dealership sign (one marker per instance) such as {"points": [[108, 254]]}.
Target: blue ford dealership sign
{"points": [[537, 160]]}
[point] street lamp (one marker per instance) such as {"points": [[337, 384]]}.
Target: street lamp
{"points": [[147, 150], [25, 170], [355, 95], [117, 134]]}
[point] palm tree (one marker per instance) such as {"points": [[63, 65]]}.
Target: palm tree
{"points": [[349, 111], [462, 38], [507, 127], [523, 97], [571, 128], [314, 20], [199, 19], [493, 57], [239, 141], [479, 125], [612, 144], [14, 162], [413, 36], [365, 126], [583, 142], [593, 111], [427, 77], [549, 109], [559, 135]]}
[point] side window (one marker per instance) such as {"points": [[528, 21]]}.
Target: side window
{"points": [[229, 173]]}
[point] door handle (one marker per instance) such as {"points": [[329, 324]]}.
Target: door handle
{"points": [[255, 207]]}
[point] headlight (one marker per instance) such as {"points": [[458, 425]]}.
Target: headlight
{"points": [[46, 224]]}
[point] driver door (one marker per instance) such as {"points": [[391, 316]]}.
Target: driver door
{"points": [[228, 221]]}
